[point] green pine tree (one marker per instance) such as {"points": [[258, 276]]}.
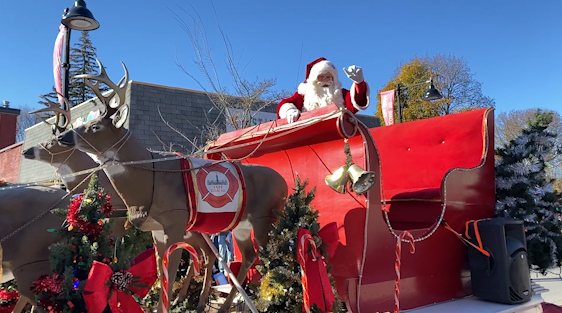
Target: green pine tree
{"points": [[82, 61], [85, 239], [52, 96], [281, 288], [525, 192], [38, 117], [9, 296]]}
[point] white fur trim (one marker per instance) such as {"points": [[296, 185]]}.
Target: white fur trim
{"points": [[302, 89], [322, 67], [284, 108], [352, 96]]}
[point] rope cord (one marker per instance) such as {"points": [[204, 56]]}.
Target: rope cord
{"points": [[111, 163], [44, 212]]}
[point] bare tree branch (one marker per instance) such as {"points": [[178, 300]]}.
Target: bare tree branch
{"points": [[237, 104], [26, 120]]}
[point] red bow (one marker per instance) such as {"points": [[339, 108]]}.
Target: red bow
{"points": [[115, 288], [315, 282]]}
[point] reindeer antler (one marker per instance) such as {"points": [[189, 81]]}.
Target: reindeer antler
{"points": [[118, 89], [63, 112]]}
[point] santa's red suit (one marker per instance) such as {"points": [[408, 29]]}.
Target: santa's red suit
{"points": [[312, 94]]}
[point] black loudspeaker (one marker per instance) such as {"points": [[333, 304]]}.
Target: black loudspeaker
{"points": [[504, 275]]}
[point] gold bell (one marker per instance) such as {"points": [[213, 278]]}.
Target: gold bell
{"points": [[338, 180], [361, 180]]}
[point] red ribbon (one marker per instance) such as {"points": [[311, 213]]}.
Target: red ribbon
{"points": [[314, 277], [100, 290]]}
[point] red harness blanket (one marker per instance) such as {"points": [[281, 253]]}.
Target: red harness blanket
{"points": [[216, 195]]}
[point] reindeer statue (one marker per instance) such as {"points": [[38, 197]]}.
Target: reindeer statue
{"points": [[24, 220], [24, 240], [69, 160], [156, 195]]}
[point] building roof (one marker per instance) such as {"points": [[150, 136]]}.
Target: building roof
{"points": [[10, 111]]}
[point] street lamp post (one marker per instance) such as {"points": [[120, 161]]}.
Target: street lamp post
{"points": [[77, 18], [430, 94]]}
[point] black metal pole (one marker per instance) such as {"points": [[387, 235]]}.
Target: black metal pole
{"points": [[398, 103], [66, 64]]}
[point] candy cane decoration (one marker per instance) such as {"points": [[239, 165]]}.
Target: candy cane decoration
{"points": [[398, 263], [172, 248], [301, 254]]}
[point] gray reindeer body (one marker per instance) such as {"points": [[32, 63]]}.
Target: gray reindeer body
{"points": [[26, 256]]}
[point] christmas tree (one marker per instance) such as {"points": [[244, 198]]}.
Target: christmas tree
{"points": [[281, 287], [9, 296], [85, 238], [523, 191]]}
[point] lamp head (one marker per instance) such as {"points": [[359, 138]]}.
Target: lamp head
{"points": [[79, 17], [432, 93]]}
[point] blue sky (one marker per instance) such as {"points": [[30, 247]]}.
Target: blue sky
{"points": [[513, 47]]}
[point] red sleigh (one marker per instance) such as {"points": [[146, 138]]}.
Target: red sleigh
{"points": [[428, 172]]}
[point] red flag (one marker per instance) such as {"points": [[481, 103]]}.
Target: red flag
{"points": [[387, 104]]}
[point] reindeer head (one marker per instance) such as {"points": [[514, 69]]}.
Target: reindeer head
{"points": [[50, 150], [104, 133]]}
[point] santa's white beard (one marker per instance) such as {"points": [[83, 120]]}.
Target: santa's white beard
{"points": [[317, 96]]}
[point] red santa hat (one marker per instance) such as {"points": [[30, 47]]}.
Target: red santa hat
{"points": [[314, 69]]}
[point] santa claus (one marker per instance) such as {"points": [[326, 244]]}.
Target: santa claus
{"points": [[322, 88]]}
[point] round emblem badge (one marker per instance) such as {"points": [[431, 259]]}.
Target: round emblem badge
{"points": [[217, 184]]}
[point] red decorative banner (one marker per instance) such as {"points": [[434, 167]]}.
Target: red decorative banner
{"points": [[105, 287], [57, 61], [387, 106], [314, 277]]}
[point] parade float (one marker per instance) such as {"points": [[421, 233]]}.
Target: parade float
{"points": [[425, 186]]}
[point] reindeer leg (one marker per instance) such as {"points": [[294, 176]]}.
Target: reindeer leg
{"points": [[204, 297], [244, 241], [160, 244], [22, 301], [185, 286]]}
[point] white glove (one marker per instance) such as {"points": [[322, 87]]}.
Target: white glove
{"points": [[355, 73], [293, 115]]}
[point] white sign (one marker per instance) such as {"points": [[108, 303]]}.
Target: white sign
{"points": [[257, 118]]}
